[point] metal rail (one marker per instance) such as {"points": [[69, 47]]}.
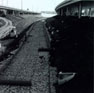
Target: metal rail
{"points": [[47, 37]]}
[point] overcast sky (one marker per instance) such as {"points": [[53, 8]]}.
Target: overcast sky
{"points": [[32, 5]]}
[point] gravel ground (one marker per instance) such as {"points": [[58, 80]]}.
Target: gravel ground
{"points": [[28, 66]]}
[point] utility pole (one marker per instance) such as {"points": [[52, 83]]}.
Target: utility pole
{"points": [[7, 2], [2, 2], [21, 4]]}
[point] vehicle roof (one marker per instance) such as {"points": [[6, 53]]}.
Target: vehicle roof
{"points": [[69, 2]]}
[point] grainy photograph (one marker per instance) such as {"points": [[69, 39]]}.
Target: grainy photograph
{"points": [[46, 46]]}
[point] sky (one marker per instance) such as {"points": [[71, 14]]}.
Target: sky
{"points": [[32, 5]]}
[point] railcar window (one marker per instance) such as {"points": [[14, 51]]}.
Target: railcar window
{"points": [[92, 12], [87, 12]]}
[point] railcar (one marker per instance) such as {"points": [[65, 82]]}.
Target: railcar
{"points": [[72, 43], [75, 18]]}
